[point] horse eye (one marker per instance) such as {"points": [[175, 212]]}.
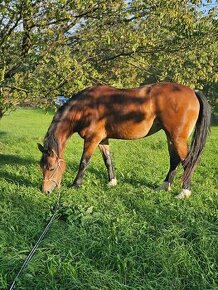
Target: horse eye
{"points": [[47, 167]]}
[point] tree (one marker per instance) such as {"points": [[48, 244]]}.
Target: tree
{"points": [[61, 46], [35, 58], [149, 41], [152, 41]]}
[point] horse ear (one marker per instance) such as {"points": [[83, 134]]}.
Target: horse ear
{"points": [[41, 148]]}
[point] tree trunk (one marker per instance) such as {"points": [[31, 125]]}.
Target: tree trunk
{"points": [[1, 113]]}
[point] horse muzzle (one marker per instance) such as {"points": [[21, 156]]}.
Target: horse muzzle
{"points": [[49, 185]]}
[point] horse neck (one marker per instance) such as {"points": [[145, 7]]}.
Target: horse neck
{"points": [[58, 133], [62, 134]]}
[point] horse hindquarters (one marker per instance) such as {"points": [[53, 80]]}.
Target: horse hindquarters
{"points": [[198, 140], [182, 114]]}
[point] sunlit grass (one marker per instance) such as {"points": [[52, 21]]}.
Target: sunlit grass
{"points": [[128, 237]]}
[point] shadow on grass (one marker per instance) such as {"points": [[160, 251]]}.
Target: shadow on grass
{"points": [[100, 173], [140, 182], [11, 176], [2, 133], [11, 159]]}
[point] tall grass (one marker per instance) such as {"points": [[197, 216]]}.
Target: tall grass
{"points": [[128, 237]]}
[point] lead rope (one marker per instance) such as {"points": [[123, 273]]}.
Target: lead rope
{"points": [[41, 237]]}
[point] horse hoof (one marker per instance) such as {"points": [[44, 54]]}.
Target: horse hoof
{"points": [[113, 182], [75, 185], [186, 193], [165, 186]]}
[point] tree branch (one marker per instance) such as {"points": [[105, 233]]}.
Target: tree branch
{"points": [[6, 34], [14, 88]]}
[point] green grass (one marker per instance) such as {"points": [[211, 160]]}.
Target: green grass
{"points": [[127, 237]]}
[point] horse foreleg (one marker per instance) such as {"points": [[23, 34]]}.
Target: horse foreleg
{"points": [[105, 151], [88, 150]]}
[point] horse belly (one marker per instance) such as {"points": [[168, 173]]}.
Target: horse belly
{"points": [[130, 130]]}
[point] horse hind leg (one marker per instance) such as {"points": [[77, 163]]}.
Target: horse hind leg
{"points": [[105, 151], [181, 146], [174, 162]]}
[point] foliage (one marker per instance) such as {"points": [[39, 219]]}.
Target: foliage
{"points": [[59, 47], [127, 237], [153, 41], [35, 61]]}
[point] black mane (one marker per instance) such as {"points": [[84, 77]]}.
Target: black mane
{"points": [[50, 141]]}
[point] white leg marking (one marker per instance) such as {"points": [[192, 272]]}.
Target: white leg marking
{"points": [[185, 193], [165, 186], [113, 182]]}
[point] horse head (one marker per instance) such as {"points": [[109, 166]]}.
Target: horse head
{"points": [[52, 168]]}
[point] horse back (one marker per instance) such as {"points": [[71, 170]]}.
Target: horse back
{"points": [[133, 113]]}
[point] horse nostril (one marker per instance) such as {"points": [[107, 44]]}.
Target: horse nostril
{"points": [[46, 191], [48, 188]]}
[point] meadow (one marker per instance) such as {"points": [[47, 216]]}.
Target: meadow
{"points": [[127, 237]]}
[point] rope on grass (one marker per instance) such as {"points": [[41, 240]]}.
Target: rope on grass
{"points": [[41, 237]]}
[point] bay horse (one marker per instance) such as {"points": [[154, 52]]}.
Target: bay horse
{"points": [[102, 112]]}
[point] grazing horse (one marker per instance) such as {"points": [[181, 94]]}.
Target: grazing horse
{"points": [[102, 112]]}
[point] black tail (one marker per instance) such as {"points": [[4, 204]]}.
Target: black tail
{"points": [[199, 136]]}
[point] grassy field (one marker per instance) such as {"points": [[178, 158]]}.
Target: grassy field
{"points": [[127, 237]]}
